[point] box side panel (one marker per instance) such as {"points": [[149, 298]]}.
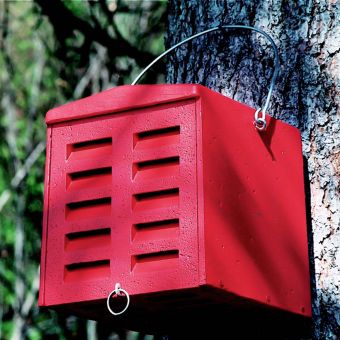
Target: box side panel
{"points": [[255, 220], [123, 205]]}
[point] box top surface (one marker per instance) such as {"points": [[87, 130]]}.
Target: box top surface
{"points": [[124, 98]]}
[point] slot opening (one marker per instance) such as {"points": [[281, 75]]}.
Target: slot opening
{"points": [[157, 167], [157, 137], [88, 209], [156, 194], [155, 261], [89, 148], [142, 232], [87, 270], [91, 144], [156, 199], [89, 178], [169, 131], [87, 239]]}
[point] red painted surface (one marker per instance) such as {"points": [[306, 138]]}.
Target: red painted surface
{"points": [[168, 189]]}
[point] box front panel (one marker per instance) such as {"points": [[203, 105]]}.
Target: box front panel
{"points": [[122, 204]]}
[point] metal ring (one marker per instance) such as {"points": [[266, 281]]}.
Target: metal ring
{"points": [[117, 291], [260, 124]]}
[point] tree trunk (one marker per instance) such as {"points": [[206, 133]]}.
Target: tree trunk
{"points": [[239, 64]]}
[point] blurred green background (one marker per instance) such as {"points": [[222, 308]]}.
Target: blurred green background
{"points": [[52, 52]]}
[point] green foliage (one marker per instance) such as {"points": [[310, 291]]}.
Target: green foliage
{"points": [[43, 63], [79, 8]]}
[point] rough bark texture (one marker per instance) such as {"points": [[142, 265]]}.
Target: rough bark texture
{"points": [[239, 64]]}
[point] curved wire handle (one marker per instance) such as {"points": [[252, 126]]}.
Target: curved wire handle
{"points": [[259, 122]]}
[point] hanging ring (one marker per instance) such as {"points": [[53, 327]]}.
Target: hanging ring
{"points": [[260, 123], [118, 291]]}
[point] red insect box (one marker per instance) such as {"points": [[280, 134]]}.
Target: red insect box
{"points": [[171, 191]]}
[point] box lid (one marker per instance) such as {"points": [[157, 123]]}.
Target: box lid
{"points": [[122, 98]]}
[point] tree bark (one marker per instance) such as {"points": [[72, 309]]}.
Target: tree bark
{"points": [[239, 64]]}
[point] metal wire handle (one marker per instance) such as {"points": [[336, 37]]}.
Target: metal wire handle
{"points": [[259, 121]]}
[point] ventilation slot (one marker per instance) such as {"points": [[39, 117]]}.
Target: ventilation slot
{"points": [[155, 261], [156, 168], [154, 200], [89, 149], [157, 138], [143, 232], [88, 209], [89, 179], [87, 271], [88, 239]]}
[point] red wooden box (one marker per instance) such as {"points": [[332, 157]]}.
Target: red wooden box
{"points": [[170, 191]]}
